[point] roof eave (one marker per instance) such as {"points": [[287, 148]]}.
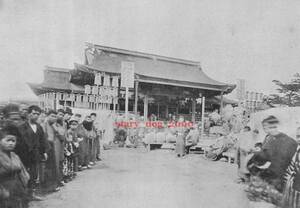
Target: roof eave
{"points": [[220, 88], [39, 89]]}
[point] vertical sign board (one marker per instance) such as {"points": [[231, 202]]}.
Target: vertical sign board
{"points": [[127, 80], [127, 74]]}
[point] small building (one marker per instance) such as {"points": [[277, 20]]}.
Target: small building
{"points": [[162, 85], [254, 101]]}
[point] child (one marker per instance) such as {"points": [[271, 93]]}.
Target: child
{"points": [[13, 175], [73, 131], [68, 163]]}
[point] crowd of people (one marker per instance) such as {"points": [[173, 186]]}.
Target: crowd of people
{"points": [[42, 151], [270, 167]]}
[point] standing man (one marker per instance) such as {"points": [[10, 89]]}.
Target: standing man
{"points": [[34, 147], [23, 111], [67, 117], [55, 136], [97, 140], [61, 132]]}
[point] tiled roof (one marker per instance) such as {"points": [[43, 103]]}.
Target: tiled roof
{"points": [[55, 79], [154, 68]]}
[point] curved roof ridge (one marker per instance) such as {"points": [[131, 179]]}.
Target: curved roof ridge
{"points": [[143, 54]]}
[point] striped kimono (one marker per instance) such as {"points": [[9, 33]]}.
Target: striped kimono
{"points": [[291, 197]]}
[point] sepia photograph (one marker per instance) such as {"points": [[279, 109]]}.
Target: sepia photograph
{"points": [[149, 104]]}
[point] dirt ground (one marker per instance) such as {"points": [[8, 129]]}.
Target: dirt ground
{"points": [[134, 178]]}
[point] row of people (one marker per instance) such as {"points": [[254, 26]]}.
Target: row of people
{"points": [[44, 151]]}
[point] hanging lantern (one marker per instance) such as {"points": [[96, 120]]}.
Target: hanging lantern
{"points": [[87, 89], [72, 97], [58, 95], [116, 92], [101, 99], [115, 81], [104, 91], [95, 90], [92, 98], [106, 80], [111, 98], [100, 92], [85, 98], [98, 79]]}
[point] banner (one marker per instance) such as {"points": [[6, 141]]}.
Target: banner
{"points": [[87, 89]]}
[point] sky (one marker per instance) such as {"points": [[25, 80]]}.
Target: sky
{"points": [[256, 40]]}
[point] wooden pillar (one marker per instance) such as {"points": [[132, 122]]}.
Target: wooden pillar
{"points": [[193, 110], [167, 111], [114, 105], [202, 117], [145, 107], [157, 110], [136, 98], [221, 103], [126, 102]]}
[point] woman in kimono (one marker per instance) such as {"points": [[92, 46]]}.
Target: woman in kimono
{"points": [[181, 142], [13, 175], [68, 163], [180, 139], [73, 131], [88, 135]]}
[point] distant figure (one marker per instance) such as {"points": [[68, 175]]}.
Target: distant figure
{"points": [[181, 140], [108, 136], [96, 148]]}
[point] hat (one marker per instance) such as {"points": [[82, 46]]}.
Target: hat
{"points": [[10, 109], [271, 120], [68, 111], [73, 119]]}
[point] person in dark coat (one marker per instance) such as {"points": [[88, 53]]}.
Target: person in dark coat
{"points": [[55, 134], [278, 150], [32, 146], [269, 165], [67, 117]]}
